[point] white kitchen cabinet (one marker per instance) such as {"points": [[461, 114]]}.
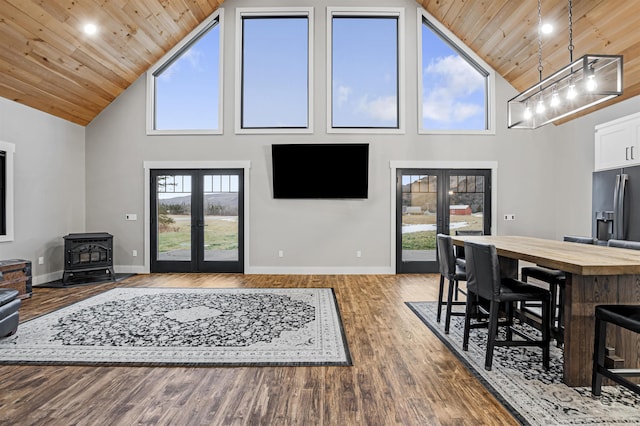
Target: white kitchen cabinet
{"points": [[617, 143]]}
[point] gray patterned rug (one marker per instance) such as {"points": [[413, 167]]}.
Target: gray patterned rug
{"points": [[195, 327], [518, 380]]}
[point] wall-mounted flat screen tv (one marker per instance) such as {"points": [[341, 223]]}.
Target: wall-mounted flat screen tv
{"points": [[331, 171]]}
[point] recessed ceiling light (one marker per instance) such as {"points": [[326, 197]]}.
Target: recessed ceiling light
{"points": [[546, 29], [90, 29]]}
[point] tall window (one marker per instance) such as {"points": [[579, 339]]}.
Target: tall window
{"points": [[6, 191], [365, 69], [455, 88], [184, 89], [274, 53]]}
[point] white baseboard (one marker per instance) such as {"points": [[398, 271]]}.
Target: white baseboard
{"points": [[53, 276], [252, 270], [320, 270], [46, 278]]}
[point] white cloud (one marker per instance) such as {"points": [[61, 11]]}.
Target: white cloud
{"points": [[343, 95], [381, 108], [190, 57], [448, 82]]}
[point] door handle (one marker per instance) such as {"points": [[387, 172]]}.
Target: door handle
{"points": [[632, 153], [626, 153]]}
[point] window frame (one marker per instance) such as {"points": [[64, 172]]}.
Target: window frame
{"points": [[273, 12], [215, 19], [9, 150], [469, 55], [368, 12]]}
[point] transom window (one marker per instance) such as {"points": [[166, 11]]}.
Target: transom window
{"points": [[274, 53], [365, 69], [455, 88], [184, 89]]}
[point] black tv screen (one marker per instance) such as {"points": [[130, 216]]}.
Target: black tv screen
{"points": [[320, 170]]}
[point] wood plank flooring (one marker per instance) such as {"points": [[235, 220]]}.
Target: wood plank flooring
{"points": [[401, 374]]}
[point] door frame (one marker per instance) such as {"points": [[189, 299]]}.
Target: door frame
{"points": [[461, 165], [149, 165]]}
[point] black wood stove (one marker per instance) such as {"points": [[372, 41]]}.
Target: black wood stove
{"points": [[90, 252]]}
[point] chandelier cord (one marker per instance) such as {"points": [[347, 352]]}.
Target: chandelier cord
{"points": [[540, 38], [570, 32]]}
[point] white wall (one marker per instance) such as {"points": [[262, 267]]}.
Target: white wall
{"points": [[574, 144], [49, 186], [316, 235], [544, 176]]}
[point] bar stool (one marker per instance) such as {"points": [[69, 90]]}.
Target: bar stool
{"points": [[459, 254], [625, 316], [633, 245], [556, 280], [452, 272], [485, 283]]}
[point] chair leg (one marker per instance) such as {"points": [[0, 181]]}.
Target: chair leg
{"points": [[456, 292], [440, 291], [509, 311], [447, 318], [547, 309], [598, 355], [467, 320], [491, 333]]}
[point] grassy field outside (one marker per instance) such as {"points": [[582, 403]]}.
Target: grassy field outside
{"points": [[426, 240], [220, 233]]}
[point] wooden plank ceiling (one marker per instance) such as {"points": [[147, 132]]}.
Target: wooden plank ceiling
{"points": [[48, 63]]}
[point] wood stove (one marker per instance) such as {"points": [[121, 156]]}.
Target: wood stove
{"points": [[90, 252]]}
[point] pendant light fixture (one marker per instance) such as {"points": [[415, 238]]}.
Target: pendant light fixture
{"points": [[588, 81]]}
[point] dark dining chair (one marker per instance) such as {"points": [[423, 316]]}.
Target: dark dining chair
{"points": [[485, 283], [624, 316], [459, 253], [633, 245], [556, 280], [452, 272]]}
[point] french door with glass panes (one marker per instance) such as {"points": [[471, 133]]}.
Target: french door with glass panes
{"points": [[432, 201], [197, 220]]}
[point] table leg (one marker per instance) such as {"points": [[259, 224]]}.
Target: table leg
{"points": [[582, 294]]}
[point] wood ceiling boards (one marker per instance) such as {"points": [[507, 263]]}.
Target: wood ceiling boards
{"points": [[48, 63]]}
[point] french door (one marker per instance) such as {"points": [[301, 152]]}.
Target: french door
{"points": [[197, 220], [433, 201]]}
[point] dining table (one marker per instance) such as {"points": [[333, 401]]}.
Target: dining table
{"points": [[595, 274]]}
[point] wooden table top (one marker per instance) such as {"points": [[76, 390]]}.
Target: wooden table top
{"points": [[576, 258]]}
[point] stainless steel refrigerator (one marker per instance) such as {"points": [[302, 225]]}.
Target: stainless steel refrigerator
{"points": [[616, 204]]}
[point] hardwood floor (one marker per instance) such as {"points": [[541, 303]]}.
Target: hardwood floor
{"points": [[401, 373]]}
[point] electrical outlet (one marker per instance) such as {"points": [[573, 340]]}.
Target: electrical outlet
{"points": [[510, 216], [134, 253], [358, 253], [41, 260], [131, 216], [280, 253]]}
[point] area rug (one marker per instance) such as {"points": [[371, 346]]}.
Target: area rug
{"points": [[186, 327], [518, 380]]}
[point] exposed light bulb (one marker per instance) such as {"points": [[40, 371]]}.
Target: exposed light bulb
{"points": [[555, 99], [540, 107], [527, 112], [571, 92], [592, 84]]}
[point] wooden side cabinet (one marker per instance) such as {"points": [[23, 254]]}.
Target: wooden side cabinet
{"points": [[16, 274]]}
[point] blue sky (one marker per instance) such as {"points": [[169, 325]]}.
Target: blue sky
{"points": [[363, 82]]}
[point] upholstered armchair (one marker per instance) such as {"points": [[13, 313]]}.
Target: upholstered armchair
{"points": [[9, 305]]}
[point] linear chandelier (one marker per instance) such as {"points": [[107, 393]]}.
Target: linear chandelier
{"points": [[588, 81]]}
